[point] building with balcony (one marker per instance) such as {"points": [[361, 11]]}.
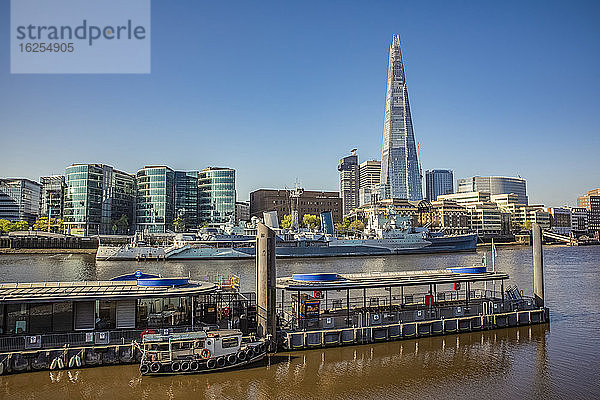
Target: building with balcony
{"points": [[308, 202], [368, 182], [349, 182]]}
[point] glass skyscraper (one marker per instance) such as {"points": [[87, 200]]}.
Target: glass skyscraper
{"points": [[19, 200], [400, 174], [186, 198], [98, 200], [438, 182], [155, 201], [216, 187]]}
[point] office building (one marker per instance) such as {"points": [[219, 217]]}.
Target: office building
{"points": [[438, 182], [98, 200], [242, 211], [495, 185], [53, 196], [216, 191], [186, 199], [400, 171], [449, 217], [560, 220], [155, 200], [368, 182], [579, 220], [308, 202], [349, 182], [19, 200], [466, 199], [591, 202]]}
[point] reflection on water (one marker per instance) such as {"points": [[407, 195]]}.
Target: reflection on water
{"points": [[560, 360]]}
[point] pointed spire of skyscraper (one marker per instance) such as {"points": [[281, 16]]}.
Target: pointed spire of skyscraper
{"points": [[400, 175]]}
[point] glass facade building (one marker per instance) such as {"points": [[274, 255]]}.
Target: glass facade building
{"points": [[20, 200], [186, 198], [349, 182], [98, 200], [155, 200], [438, 182], [400, 173], [495, 185], [53, 196], [216, 187]]}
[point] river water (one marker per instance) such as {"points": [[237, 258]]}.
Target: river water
{"points": [[559, 360]]}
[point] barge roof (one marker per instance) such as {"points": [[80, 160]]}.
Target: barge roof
{"points": [[98, 290], [388, 279]]}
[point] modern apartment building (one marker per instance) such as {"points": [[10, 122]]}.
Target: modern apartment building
{"points": [[349, 182], [155, 200], [309, 202], [217, 196], [368, 182], [591, 202], [579, 220], [53, 196], [98, 200], [19, 199], [438, 182], [495, 185], [400, 171], [186, 198]]}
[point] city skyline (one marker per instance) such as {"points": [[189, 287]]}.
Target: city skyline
{"points": [[500, 113]]}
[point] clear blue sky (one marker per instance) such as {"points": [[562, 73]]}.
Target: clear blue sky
{"points": [[280, 91]]}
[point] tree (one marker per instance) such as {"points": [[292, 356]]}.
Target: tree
{"points": [[21, 226], [311, 221], [179, 224], [357, 226], [527, 225], [42, 224], [286, 221], [5, 225]]}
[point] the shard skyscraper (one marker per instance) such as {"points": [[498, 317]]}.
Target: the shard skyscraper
{"points": [[400, 172]]}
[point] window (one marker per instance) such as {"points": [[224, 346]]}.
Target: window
{"points": [[16, 318], [40, 318], [229, 342]]}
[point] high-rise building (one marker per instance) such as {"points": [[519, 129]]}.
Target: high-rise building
{"points": [[560, 220], [155, 200], [400, 172], [186, 198], [368, 182], [438, 182], [98, 200], [308, 202], [216, 195], [579, 220], [495, 185], [19, 200], [591, 202], [349, 183], [53, 196]]}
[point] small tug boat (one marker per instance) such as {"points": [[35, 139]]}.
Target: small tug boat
{"points": [[198, 352]]}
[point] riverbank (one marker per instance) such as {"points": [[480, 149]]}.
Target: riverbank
{"points": [[47, 251]]}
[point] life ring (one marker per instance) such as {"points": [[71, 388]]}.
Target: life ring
{"points": [[456, 285], [241, 355], [221, 362], [144, 368], [146, 332], [317, 294], [155, 367], [211, 363], [194, 365], [176, 366], [231, 359], [205, 354]]}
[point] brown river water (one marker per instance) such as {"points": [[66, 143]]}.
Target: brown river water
{"points": [[557, 360]]}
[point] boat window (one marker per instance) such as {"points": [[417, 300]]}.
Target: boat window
{"points": [[40, 318], [16, 318], [183, 345], [106, 314], [62, 317], [229, 342], [199, 344]]}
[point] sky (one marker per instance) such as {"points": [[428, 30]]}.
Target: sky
{"points": [[282, 90]]}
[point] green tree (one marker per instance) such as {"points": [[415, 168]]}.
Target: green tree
{"points": [[357, 226], [41, 224], [311, 221], [179, 224], [5, 225], [21, 226], [527, 225], [286, 221]]}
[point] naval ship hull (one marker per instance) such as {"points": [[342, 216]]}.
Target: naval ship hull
{"points": [[296, 249]]}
